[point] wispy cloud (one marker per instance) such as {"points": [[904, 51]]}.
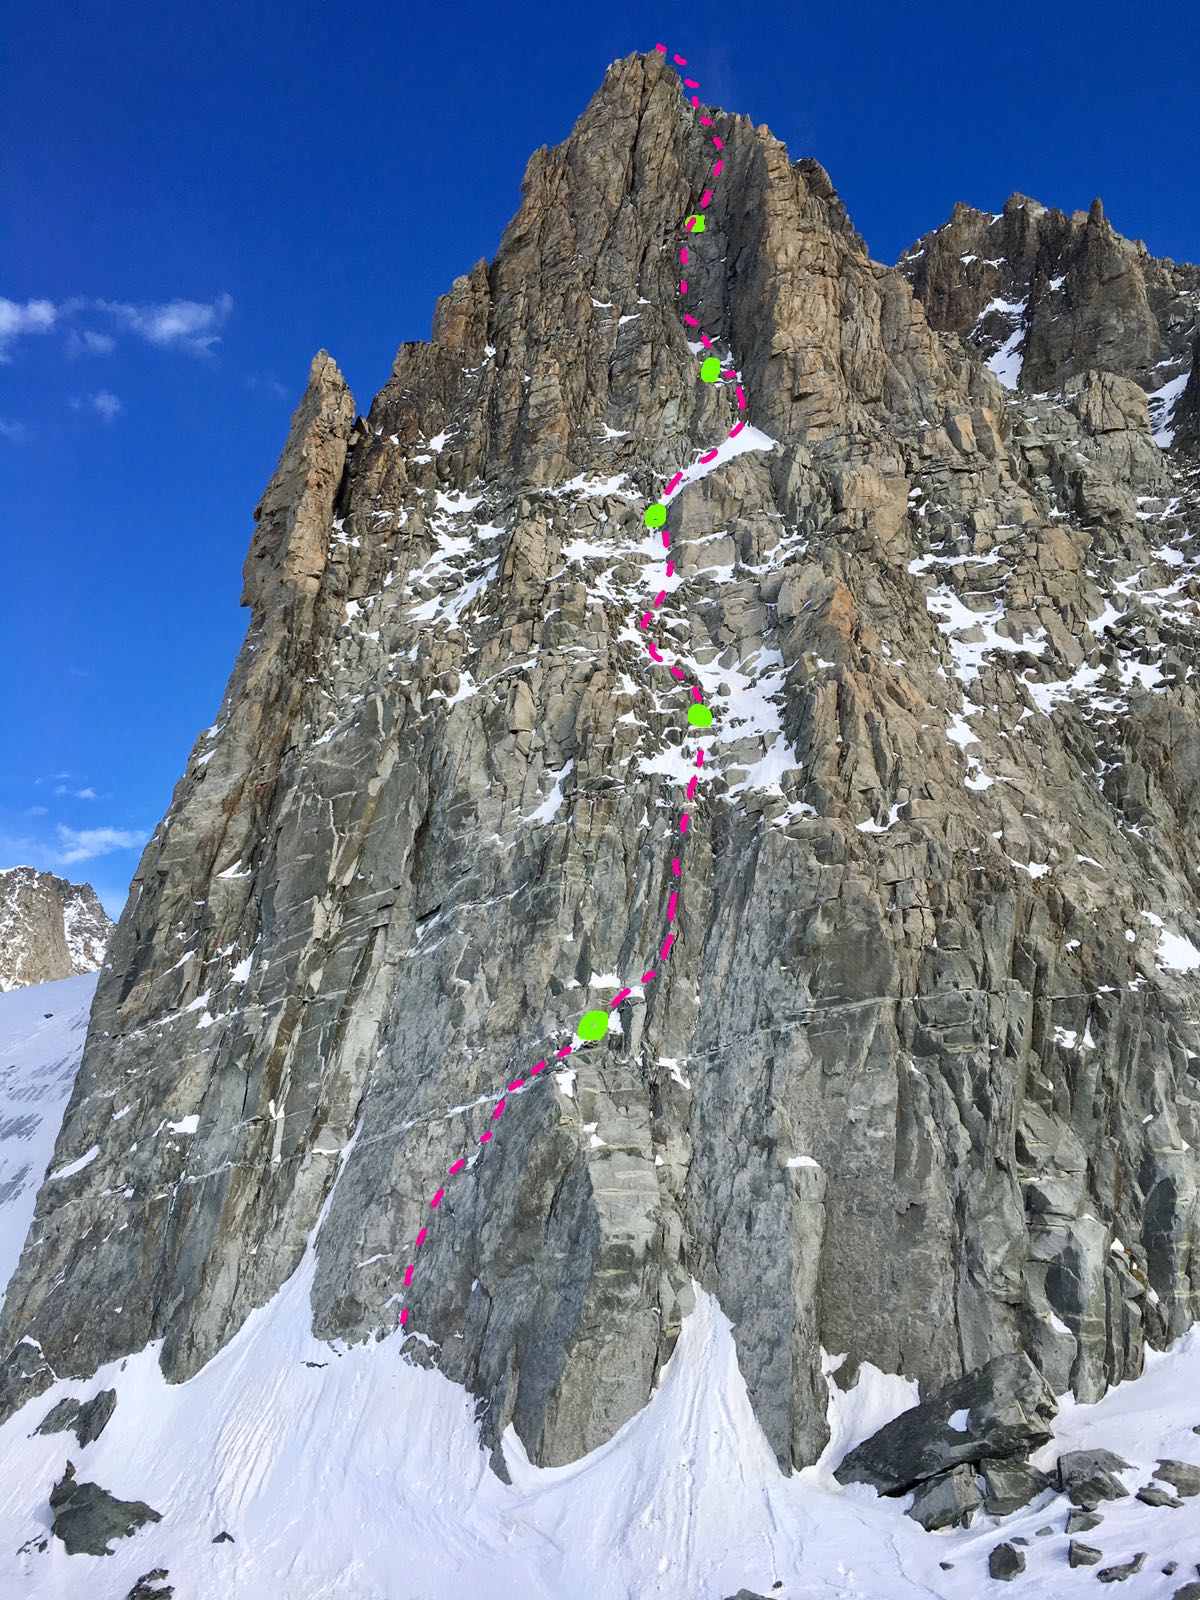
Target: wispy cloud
{"points": [[76, 794], [87, 342], [11, 429], [17, 318], [189, 325], [85, 844], [174, 324], [104, 403]]}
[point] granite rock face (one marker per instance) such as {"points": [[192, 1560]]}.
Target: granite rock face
{"points": [[49, 928], [1045, 297], [919, 1082]]}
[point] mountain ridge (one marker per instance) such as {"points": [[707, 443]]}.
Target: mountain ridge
{"points": [[910, 1129]]}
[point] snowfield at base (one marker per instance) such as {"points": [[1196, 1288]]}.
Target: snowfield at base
{"points": [[361, 1477], [39, 1057]]}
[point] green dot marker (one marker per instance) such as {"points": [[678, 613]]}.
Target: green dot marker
{"points": [[710, 369], [593, 1025], [699, 716], [656, 516], [697, 222]]}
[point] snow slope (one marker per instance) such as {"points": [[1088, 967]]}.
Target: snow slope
{"points": [[39, 1056]]}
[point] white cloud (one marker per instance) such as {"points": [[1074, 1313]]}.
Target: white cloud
{"points": [[77, 794], [104, 403], [11, 429], [173, 324], [90, 343], [34, 316], [83, 844]]}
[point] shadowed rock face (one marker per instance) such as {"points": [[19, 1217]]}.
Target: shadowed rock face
{"points": [[918, 1082]]}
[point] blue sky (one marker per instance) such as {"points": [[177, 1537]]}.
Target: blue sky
{"points": [[200, 197]]}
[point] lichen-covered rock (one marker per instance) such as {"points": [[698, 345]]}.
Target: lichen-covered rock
{"points": [[919, 1080]]}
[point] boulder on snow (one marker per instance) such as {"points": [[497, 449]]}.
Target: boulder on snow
{"points": [[1151, 1494], [998, 1411], [150, 1586], [86, 1517], [1182, 1475], [1087, 1477], [947, 1501], [1006, 1562], [1190, 1591], [1125, 1570], [87, 1420], [1083, 1555], [1082, 1521], [1009, 1485]]}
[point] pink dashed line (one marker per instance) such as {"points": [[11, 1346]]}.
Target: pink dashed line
{"points": [[677, 673]]}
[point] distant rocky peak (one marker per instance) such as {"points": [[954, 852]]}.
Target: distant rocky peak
{"points": [[49, 928], [1045, 297]]}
